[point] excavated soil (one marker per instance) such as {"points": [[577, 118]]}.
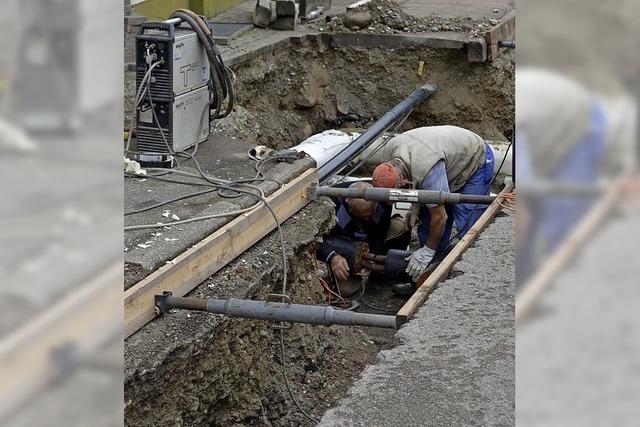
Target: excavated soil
{"points": [[387, 17], [289, 95], [196, 369]]}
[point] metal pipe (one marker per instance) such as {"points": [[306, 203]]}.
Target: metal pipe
{"points": [[351, 250], [378, 268], [342, 159], [400, 195], [373, 257], [535, 188], [396, 264], [275, 311]]}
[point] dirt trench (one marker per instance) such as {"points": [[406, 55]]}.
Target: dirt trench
{"points": [[228, 371], [286, 96], [196, 369]]}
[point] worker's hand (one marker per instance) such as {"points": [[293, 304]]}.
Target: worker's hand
{"points": [[419, 261], [340, 267]]}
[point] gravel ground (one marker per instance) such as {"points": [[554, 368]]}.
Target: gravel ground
{"points": [[455, 365], [578, 354]]}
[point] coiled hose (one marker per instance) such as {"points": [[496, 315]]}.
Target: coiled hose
{"points": [[222, 76]]}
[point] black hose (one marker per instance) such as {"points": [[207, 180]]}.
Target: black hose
{"points": [[220, 74], [391, 117], [215, 66]]}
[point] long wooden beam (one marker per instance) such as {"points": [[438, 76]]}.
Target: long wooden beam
{"points": [[532, 290], [442, 271], [85, 319], [206, 257]]}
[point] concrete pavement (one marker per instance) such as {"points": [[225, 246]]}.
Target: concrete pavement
{"points": [[455, 364], [578, 353]]}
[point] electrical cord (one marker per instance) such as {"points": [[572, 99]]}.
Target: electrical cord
{"points": [[258, 166], [190, 220], [378, 148], [167, 202], [372, 307], [234, 186], [223, 79], [139, 96], [284, 286], [263, 200], [157, 122], [159, 177], [360, 300]]}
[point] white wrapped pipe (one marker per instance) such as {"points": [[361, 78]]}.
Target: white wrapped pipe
{"points": [[325, 145]]}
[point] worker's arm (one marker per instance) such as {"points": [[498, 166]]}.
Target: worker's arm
{"points": [[339, 267], [436, 180], [436, 226], [336, 262]]}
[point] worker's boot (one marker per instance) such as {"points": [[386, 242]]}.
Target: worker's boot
{"points": [[403, 289]]}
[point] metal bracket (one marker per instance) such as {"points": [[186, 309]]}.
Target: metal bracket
{"points": [[162, 302], [311, 191], [281, 325], [278, 298], [509, 44]]}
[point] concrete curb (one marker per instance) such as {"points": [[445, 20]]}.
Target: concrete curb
{"points": [[476, 48]]}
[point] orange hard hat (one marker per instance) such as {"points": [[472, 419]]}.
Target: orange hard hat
{"points": [[385, 175]]}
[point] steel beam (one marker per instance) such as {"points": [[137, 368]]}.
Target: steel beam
{"points": [[400, 195], [275, 311]]}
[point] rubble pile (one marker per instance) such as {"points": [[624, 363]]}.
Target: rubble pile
{"points": [[387, 17]]}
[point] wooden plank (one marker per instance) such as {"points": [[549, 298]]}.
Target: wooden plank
{"points": [[442, 271], [532, 290], [192, 267], [505, 30], [85, 319]]}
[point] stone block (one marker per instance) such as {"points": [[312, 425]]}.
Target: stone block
{"points": [[286, 8], [134, 20], [477, 50], [286, 23], [262, 14]]}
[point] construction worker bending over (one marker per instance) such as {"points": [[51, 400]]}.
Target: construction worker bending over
{"points": [[438, 158]]}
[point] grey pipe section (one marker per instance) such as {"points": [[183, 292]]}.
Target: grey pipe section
{"points": [[282, 312], [351, 151], [401, 195]]}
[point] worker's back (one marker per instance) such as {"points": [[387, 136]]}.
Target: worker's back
{"points": [[554, 114], [461, 150]]}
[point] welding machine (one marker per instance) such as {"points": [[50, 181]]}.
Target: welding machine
{"points": [[181, 84]]}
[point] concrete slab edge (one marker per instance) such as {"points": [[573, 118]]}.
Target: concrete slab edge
{"points": [[476, 48]]}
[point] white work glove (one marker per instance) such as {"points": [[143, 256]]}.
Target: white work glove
{"points": [[419, 261]]}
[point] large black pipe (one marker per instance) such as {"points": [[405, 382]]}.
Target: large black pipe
{"points": [[391, 117], [395, 265], [400, 195], [351, 250]]}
